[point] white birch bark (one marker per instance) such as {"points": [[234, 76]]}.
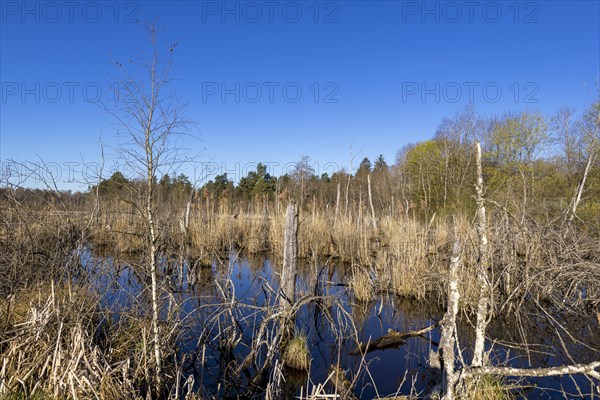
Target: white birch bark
{"points": [[371, 202], [448, 341], [482, 267]]}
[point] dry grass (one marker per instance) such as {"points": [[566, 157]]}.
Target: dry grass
{"points": [[362, 284], [296, 354], [59, 342], [50, 346], [406, 256], [36, 245], [489, 388]]}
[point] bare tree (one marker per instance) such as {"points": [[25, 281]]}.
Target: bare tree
{"points": [[302, 172], [150, 115]]}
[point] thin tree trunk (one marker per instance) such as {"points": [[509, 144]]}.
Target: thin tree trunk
{"points": [[577, 198], [152, 231], [277, 198], [337, 204], [302, 191], [371, 202], [187, 210], [153, 274], [448, 340], [446, 173], [524, 209], [347, 193], [482, 278], [358, 220], [153, 270]]}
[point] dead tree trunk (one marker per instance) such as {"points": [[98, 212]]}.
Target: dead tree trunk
{"points": [[188, 208], [448, 340], [290, 257], [482, 268], [580, 187], [337, 204], [359, 219], [371, 202], [347, 194], [443, 375]]}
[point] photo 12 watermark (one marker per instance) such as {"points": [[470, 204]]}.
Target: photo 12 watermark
{"points": [[128, 92], [254, 12], [237, 170], [50, 92], [469, 91], [51, 173], [269, 92], [453, 12], [53, 12], [68, 92], [33, 173]]}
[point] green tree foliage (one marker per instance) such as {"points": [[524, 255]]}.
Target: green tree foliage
{"points": [[423, 166], [219, 188], [380, 165], [456, 137], [114, 186], [517, 139], [534, 166], [257, 184], [174, 189], [514, 146]]}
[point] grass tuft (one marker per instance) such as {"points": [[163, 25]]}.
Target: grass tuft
{"points": [[296, 354]]}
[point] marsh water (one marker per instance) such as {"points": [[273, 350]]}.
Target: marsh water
{"points": [[228, 299]]}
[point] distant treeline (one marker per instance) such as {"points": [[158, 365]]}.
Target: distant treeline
{"points": [[534, 165]]}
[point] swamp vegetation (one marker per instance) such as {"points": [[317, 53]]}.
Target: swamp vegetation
{"points": [[77, 321], [470, 268]]}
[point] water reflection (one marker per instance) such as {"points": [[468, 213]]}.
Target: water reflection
{"points": [[222, 305]]}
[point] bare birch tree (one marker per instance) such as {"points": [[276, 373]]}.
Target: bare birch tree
{"points": [[150, 115]]}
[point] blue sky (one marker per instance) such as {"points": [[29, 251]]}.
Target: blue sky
{"points": [[373, 76]]}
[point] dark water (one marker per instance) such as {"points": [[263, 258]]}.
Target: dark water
{"points": [[228, 300]]}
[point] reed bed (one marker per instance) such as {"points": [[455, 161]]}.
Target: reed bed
{"points": [[50, 347], [58, 341], [404, 255]]}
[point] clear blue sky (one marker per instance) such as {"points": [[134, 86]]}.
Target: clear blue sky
{"points": [[375, 75]]}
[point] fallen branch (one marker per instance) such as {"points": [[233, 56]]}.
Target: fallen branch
{"points": [[587, 369], [392, 338]]}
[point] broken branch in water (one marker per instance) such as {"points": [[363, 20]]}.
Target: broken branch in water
{"points": [[392, 338]]}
